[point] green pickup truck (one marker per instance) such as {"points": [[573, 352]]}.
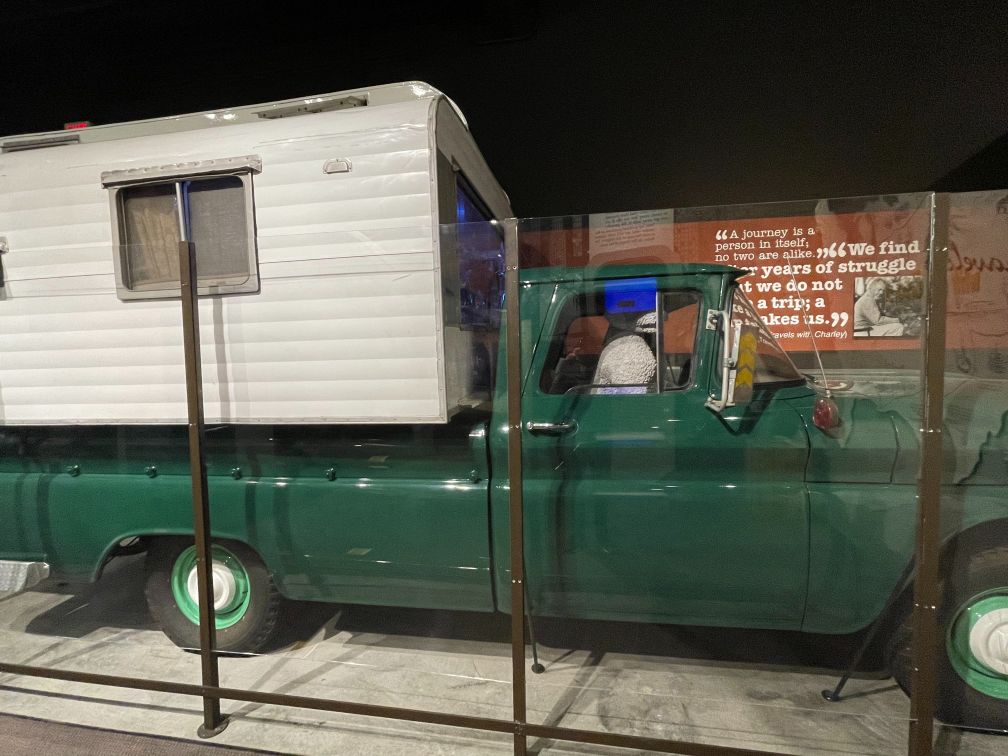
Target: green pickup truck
{"points": [[661, 485]]}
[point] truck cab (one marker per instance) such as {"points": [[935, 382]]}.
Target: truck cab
{"points": [[641, 502]]}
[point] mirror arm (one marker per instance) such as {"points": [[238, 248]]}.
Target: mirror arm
{"points": [[717, 321]]}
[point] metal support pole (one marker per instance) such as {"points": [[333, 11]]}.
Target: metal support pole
{"points": [[926, 598], [515, 502], [213, 722]]}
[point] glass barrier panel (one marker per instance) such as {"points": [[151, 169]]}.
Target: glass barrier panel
{"points": [[972, 654], [78, 503], [718, 509], [352, 544], [721, 431], [346, 461], [89, 470]]}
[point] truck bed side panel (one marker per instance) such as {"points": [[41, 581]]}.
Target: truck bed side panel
{"points": [[402, 523]]}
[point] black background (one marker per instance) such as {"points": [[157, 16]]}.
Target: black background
{"points": [[577, 106]]}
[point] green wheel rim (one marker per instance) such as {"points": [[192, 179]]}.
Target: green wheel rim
{"points": [[228, 570], [972, 670]]}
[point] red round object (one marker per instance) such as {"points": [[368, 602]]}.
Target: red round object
{"points": [[826, 415]]}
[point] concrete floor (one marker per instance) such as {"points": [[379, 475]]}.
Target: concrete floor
{"points": [[729, 687]]}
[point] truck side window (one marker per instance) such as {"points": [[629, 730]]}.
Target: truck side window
{"points": [[575, 348], [599, 349], [678, 338]]}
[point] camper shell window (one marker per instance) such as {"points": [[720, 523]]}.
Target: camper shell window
{"points": [[153, 211], [480, 260]]}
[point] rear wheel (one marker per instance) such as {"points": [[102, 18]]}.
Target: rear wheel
{"points": [[246, 602], [973, 659]]}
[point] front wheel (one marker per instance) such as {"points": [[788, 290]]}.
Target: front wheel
{"points": [[246, 602], [972, 663]]}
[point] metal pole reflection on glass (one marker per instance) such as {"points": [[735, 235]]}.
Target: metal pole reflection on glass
{"points": [[515, 505], [213, 723], [926, 595]]}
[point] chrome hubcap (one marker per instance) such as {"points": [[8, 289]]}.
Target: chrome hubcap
{"points": [[225, 587], [988, 640]]}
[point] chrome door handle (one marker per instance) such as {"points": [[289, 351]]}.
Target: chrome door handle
{"points": [[553, 429]]}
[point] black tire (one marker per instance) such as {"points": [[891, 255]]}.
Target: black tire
{"points": [[958, 703], [259, 622]]}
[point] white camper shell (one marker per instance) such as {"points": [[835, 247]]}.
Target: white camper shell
{"points": [[329, 293]]}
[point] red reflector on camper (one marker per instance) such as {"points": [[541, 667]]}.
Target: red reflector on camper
{"points": [[76, 125]]}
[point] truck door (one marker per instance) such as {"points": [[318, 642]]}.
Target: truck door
{"points": [[640, 502]]}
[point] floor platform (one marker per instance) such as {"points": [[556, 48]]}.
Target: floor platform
{"points": [[741, 688]]}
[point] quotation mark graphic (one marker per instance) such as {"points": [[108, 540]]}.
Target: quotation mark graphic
{"points": [[839, 319], [721, 234], [833, 250]]}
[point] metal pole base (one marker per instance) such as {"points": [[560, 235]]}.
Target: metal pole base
{"points": [[209, 732], [831, 695], [538, 668]]}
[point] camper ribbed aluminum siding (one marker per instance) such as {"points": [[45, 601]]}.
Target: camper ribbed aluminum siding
{"points": [[346, 326]]}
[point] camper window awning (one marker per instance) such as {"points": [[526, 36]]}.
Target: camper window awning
{"points": [[249, 163]]}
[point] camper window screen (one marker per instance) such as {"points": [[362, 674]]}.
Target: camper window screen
{"points": [[213, 213]]}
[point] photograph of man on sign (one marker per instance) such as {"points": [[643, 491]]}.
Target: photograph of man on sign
{"points": [[887, 306]]}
